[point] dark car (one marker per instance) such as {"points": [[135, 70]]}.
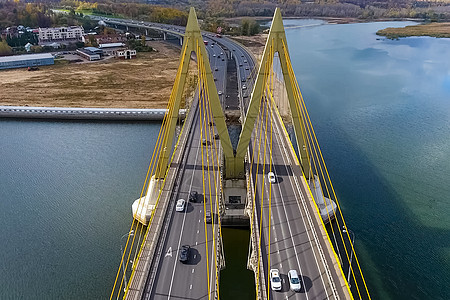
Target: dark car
{"points": [[208, 217], [184, 253], [193, 196]]}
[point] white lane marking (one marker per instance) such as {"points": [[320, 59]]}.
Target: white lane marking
{"points": [[277, 137], [195, 255], [182, 225], [198, 231], [190, 287], [169, 252], [311, 227], [199, 221], [193, 271], [196, 243]]}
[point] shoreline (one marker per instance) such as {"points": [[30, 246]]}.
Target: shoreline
{"points": [[71, 113]]}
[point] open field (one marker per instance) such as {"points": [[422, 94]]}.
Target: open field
{"points": [[432, 29], [144, 82]]}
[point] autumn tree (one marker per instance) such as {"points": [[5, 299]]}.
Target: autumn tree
{"points": [[5, 49]]}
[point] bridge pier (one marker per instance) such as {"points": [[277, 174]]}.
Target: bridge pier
{"points": [[235, 193], [146, 32], [142, 208], [164, 36]]}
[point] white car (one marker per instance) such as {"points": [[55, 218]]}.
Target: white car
{"points": [[294, 281], [275, 280], [180, 205], [271, 176]]}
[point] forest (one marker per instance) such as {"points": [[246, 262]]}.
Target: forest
{"points": [[40, 14], [14, 13]]}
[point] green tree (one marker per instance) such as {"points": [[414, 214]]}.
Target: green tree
{"points": [[249, 27], [245, 25], [5, 49]]}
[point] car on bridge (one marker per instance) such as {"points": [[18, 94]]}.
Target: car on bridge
{"points": [[208, 217], [193, 196], [294, 281], [275, 280], [184, 253], [181, 203], [271, 176]]}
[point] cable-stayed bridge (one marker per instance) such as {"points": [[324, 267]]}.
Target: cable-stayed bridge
{"points": [[275, 181]]}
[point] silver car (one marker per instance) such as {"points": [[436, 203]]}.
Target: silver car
{"points": [[294, 281]]}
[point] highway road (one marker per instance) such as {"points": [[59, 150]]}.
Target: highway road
{"points": [[196, 278], [293, 236], [292, 242]]}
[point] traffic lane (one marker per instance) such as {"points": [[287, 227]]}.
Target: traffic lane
{"points": [[178, 285], [167, 266], [176, 224], [281, 243], [189, 236], [290, 212], [283, 246], [318, 281], [195, 269]]}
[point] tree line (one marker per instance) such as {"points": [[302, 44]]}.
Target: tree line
{"points": [[140, 11], [364, 9], [14, 13]]}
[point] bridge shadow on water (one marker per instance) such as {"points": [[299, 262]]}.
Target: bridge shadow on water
{"points": [[400, 258]]}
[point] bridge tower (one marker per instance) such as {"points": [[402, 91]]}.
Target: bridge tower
{"points": [[276, 43], [192, 43]]}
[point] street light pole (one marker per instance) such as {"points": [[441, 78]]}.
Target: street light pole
{"points": [[351, 255], [131, 233]]}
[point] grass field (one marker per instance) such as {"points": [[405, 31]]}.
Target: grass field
{"points": [[431, 29], [144, 82]]}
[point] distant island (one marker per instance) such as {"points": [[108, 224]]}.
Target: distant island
{"points": [[439, 30]]}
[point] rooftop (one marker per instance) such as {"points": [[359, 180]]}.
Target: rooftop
{"points": [[25, 57], [71, 27], [111, 45]]}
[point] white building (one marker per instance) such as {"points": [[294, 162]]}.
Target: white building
{"points": [[126, 54], [60, 34]]}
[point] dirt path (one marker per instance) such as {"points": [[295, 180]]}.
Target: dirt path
{"points": [[145, 82]]}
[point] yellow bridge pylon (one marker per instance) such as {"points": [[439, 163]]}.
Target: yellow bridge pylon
{"points": [[193, 42], [276, 42]]}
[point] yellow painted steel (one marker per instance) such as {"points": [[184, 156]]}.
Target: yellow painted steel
{"points": [[192, 38], [310, 154]]}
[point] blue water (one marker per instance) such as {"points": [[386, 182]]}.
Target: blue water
{"points": [[381, 113], [66, 190]]}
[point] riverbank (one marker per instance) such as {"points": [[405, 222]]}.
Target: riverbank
{"points": [[67, 113], [144, 82], [439, 30]]}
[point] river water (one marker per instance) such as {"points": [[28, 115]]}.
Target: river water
{"points": [[381, 113]]}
